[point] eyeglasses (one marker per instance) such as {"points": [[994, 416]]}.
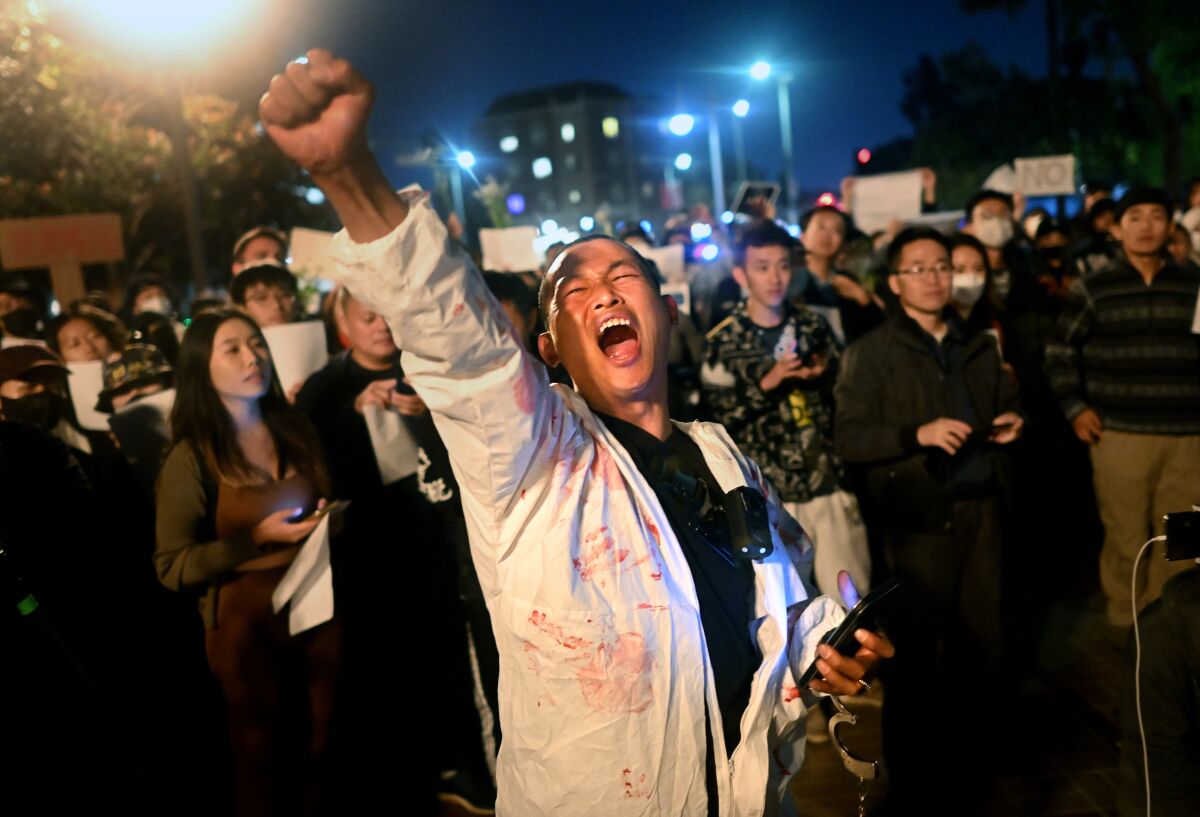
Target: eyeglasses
{"points": [[940, 270]]}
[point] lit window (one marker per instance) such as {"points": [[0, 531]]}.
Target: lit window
{"points": [[542, 167], [568, 132], [509, 143], [611, 127], [574, 197]]}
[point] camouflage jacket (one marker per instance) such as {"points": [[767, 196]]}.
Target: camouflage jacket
{"points": [[788, 432]]}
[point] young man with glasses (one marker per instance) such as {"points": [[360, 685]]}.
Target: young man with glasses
{"points": [[925, 410]]}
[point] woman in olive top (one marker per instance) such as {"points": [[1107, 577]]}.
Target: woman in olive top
{"points": [[243, 465]]}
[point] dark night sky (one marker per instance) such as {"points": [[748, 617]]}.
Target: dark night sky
{"points": [[439, 64]]}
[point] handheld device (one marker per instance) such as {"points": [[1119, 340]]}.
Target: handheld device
{"points": [[328, 508], [863, 614]]}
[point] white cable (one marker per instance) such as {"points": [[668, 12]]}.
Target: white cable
{"points": [[1137, 666]]}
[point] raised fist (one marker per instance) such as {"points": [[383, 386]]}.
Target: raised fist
{"points": [[317, 111]]}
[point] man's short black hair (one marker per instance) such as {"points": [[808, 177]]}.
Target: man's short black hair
{"points": [[824, 208], [1144, 195], [761, 233], [985, 195], [272, 275], [648, 268], [911, 235]]}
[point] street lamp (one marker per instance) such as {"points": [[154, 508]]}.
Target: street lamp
{"points": [[465, 159], [172, 33], [760, 71], [681, 124]]}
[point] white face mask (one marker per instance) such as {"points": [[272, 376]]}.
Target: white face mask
{"points": [[994, 232], [966, 288], [155, 303]]}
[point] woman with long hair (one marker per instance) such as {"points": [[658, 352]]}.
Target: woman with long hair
{"points": [[243, 471]]}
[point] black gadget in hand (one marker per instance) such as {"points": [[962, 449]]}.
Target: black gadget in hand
{"points": [[864, 614]]}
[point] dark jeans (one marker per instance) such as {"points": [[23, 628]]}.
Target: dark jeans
{"points": [[946, 626]]}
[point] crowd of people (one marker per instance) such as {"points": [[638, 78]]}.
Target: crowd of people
{"points": [[988, 413]]}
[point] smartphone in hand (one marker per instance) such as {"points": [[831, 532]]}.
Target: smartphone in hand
{"points": [[865, 614]]}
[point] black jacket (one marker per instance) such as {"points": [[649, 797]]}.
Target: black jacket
{"points": [[891, 382]]}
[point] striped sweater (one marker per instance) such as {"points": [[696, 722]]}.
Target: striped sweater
{"points": [[1126, 350]]}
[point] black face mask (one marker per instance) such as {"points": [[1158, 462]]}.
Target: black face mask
{"points": [[22, 323], [44, 410]]}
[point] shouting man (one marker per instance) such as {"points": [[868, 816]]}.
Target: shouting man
{"points": [[644, 657]]}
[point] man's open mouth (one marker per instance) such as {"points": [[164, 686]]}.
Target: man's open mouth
{"points": [[618, 339]]}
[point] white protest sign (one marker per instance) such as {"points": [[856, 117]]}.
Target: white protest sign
{"points": [[308, 583], [669, 260], [509, 249], [85, 382], [310, 252], [394, 446], [880, 200], [297, 350], [1046, 175], [1003, 180]]}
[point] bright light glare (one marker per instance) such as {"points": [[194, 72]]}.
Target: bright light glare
{"points": [[826, 200], [515, 203], [727, 217], [587, 223], [646, 225], [568, 132], [700, 232], [549, 226], [465, 159], [760, 70], [683, 161], [794, 230], [509, 143], [313, 195], [681, 124], [611, 127], [864, 156], [164, 29], [542, 167], [741, 107], [709, 253]]}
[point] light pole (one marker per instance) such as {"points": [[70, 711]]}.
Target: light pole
{"points": [[760, 71], [740, 109], [681, 125]]}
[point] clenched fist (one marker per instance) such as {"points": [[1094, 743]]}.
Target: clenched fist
{"points": [[317, 112]]}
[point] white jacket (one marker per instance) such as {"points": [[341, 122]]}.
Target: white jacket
{"points": [[604, 671]]}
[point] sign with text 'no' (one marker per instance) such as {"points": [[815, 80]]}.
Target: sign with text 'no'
{"points": [[62, 243], [1046, 175]]}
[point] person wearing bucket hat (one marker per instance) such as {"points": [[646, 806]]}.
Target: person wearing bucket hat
{"points": [[267, 293], [136, 371]]}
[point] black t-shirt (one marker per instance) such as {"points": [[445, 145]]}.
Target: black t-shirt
{"points": [[724, 584]]}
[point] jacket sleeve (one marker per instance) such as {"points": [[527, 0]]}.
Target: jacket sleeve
{"points": [[863, 431], [490, 400], [1063, 351], [180, 560]]}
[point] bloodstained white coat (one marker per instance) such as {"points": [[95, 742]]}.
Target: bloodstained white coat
{"points": [[604, 672]]}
